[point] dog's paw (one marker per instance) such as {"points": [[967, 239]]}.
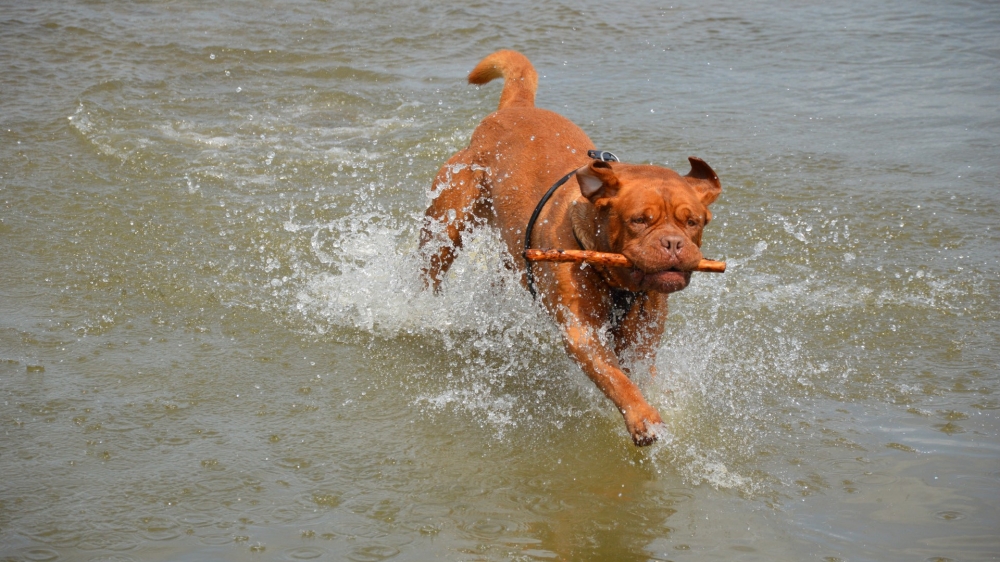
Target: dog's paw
{"points": [[644, 425], [644, 439]]}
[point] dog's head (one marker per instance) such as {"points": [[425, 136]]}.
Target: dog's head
{"points": [[652, 215]]}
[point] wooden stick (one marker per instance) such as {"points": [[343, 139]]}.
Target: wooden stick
{"points": [[603, 258]]}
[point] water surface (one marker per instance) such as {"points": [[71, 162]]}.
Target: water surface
{"points": [[214, 342]]}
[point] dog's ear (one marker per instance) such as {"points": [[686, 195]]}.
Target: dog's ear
{"points": [[597, 180], [704, 181]]}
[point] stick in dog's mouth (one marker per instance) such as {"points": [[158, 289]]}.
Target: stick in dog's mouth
{"points": [[605, 258]]}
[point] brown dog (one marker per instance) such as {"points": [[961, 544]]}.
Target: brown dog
{"points": [[652, 215]]}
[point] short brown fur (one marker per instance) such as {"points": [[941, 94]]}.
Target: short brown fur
{"points": [[652, 215]]}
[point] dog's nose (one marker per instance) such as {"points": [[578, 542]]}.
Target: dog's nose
{"points": [[673, 244]]}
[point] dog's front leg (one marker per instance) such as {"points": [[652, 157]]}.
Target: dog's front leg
{"points": [[599, 362], [638, 335]]}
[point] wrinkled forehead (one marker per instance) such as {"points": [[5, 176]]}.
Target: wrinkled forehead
{"points": [[659, 187]]}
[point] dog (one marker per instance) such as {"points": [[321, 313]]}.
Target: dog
{"points": [[652, 215]]}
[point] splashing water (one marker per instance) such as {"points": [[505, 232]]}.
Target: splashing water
{"points": [[322, 222], [503, 365]]}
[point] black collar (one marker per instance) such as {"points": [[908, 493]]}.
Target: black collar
{"points": [[603, 155]]}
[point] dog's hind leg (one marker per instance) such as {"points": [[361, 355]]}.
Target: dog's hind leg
{"points": [[459, 195]]}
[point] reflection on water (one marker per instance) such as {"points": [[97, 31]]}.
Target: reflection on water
{"points": [[214, 340]]}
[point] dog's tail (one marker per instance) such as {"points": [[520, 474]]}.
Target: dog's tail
{"points": [[520, 78]]}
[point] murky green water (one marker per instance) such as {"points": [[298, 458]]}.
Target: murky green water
{"points": [[214, 344]]}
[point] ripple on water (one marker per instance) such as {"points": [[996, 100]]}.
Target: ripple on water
{"points": [[320, 498], [205, 504], [900, 447], [294, 463], [139, 441], [176, 441], [286, 514], [426, 519], [484, 529], [359, 529], [104, 539], [679, 495], [303, 553], [844, 467], [65, 533], [40, 554], [158, 528], [373, 553], [876, 478], [950, 515], [216, 539], [429, 510], [219, 483], [196, 519], [546, 505], [118, 425], [300, 513]]}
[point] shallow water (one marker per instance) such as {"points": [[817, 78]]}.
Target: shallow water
{"points": [[214, 343]]}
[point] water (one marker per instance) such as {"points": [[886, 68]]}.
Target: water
{"points": [[214, 343]]}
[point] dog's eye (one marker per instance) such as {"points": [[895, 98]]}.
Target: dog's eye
{"points": [[692, 222], [638, 220]]}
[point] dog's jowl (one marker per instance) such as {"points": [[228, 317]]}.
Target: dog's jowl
{"points": [[651, 215]]}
